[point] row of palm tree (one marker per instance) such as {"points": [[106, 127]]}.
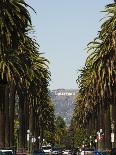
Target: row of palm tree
{"points": [[24, 78], [96, 99]]}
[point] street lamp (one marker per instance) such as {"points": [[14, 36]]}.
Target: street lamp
{"points": [[17, 136], [83, 146], [90, 140], [33, 140], [43, 141], [39, 141], [112, 133], [99, 138], [28, 140], [95, 143]]}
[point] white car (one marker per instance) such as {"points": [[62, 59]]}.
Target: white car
{"points": [[87, 152], [6, 152], [66, 152], [47, 149]]}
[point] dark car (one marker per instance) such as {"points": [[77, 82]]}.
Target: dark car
{"points": [[100, 153], [56, 151], [113, 151], [38, 152]]}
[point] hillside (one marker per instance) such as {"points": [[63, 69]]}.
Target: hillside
{"points": [[63, 100]]}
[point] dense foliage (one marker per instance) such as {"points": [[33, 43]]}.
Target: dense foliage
{"points": [[96, 98], [24, 78]]}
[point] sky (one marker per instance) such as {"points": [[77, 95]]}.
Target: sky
{"points": [[63, 28]]}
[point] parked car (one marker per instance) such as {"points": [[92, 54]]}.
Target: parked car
{"points": [[6, 152], [113, 151], [87, 151], [38, 152], [75, 151], [47, 149], [100, 153], [66, 152], [56, 150]]}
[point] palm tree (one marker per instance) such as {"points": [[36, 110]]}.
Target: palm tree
{"points": [[23, 71], [97, 79], [15, 20]]}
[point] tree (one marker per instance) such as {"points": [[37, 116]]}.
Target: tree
{"points": [[97, 80], [15, 20], [60, 130], [24, 73]]}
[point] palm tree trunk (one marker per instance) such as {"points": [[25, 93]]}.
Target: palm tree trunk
{"points": [[7, 121], [12, 113], [31, 121], [26, 112], [107, 129], [2, 116], [100, 142], [113, 122], [21, 121]]}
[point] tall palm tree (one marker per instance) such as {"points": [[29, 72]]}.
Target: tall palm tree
{"points": [[24, 72], [97, 79], [15, 20]]}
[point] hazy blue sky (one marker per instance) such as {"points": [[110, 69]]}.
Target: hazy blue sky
{"points": [[63, 28]]}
